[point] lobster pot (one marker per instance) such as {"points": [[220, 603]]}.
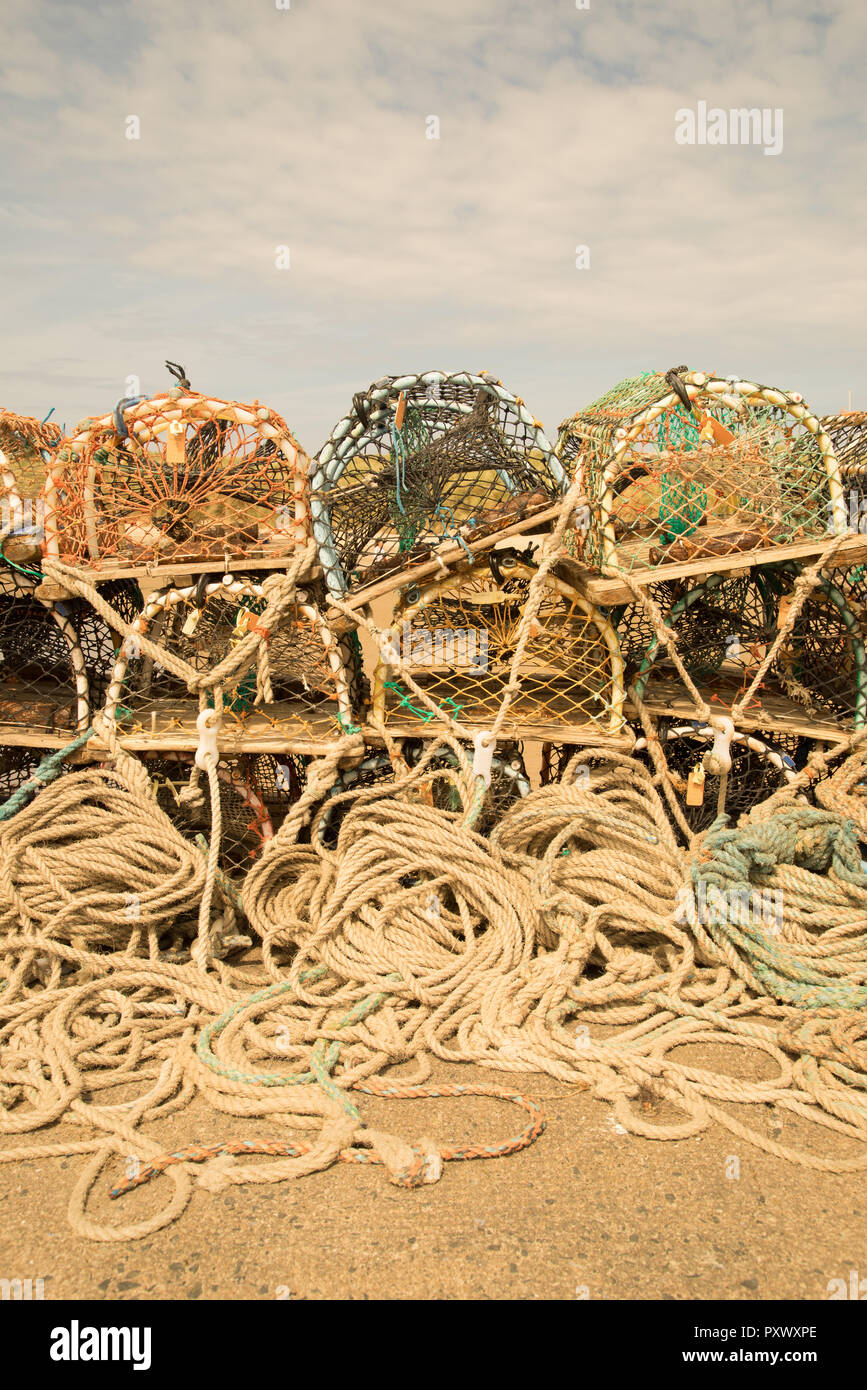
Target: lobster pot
{"points": [[56, 656], [176, 479], [256, 791], [457, 639], [848, 434], [309, 685], [18, 763], [722, 623], [681, 466], [761, 765], [822, 664], [26, 444], [509, 783], [98, 641], [43, 678], [421, 460]]}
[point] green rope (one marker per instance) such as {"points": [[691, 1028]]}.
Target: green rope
{"points": [[406, 442], [323, 1057], [425, 715], [735, 868], [681, 508], [47, 771]]}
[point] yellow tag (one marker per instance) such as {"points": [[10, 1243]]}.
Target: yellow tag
{"points": [[695, 786], [242, 621], [176, 442], [192, 623]]}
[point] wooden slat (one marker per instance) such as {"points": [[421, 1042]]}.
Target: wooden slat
{"points": [[449, 554], [285, 740], [582, 734], [611, 592], [776, 712], [17, 736], [173, 573]]}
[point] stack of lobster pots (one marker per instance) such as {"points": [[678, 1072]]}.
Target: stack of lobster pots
{"points": [[147, 557], [707, 499], [140, 550]]}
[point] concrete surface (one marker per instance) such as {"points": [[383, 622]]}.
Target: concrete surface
{"points": [[586, 1212]]}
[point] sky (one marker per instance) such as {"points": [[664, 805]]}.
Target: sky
{"points": [[307, 127]]}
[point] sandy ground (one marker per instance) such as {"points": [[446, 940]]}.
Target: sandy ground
{"points": [[586, 1212]]}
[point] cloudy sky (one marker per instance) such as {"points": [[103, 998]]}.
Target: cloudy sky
{"points": [[306, 127]]}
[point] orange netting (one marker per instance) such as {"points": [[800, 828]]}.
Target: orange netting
{"points": [[179, 477], [24, 441], [458, 638]]}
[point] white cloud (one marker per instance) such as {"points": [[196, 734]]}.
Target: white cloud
{"points": [[306, 127]]}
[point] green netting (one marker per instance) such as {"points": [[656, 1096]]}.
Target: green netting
{"points": [[733, 474]]}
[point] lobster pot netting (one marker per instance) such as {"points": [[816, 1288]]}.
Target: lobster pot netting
{"points": [[25, 446], [306, 682], [722, 622], [43, 680], [848, 433], [681, 465], [54, 652], [760, 766], [420, 460], [458, 637], [256, 791], [174, 479], [97, 641], [509, 782], [56, 658], [822, 664]]}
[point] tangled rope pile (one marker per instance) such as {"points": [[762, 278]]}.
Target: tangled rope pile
{"points": [[574, 940], [845, 791], [561, 944]]}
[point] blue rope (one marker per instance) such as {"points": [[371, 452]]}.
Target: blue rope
{"points": [[454, 534], [125, 403]]}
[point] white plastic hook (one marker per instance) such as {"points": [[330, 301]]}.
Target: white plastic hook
{"points": [[484, 744], [208, 725], [719, 759]]}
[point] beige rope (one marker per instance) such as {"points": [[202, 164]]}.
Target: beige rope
{"points": [[560, 944]]}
